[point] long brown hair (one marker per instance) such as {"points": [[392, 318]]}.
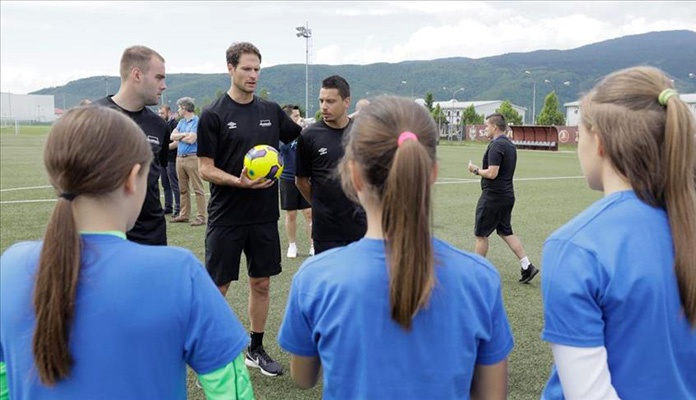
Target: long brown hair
{"points": [[654, 146], [400, 178], [89, 152]]}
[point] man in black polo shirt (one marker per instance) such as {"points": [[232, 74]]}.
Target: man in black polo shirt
{"points": [[243, 213], [494, 208], [142, 84], [336, 220]]}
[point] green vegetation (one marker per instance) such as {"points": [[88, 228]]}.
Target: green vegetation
{"points": [[511, 115], [491, 78], [550, 115], [469, 117], [549, 189]]}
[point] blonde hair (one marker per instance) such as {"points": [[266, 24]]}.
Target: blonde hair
{"points": [[654, 147], [400, 177]]}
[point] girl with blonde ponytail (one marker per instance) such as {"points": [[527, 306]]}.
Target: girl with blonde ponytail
{"points": [[619, 286]]}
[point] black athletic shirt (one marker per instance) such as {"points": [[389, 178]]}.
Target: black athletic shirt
{"points": [[151, 227], [226, 131], [334, 216], [172, 123], [502, 152]]}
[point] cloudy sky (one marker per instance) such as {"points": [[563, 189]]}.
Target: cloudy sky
{"points": [[51, 43]]}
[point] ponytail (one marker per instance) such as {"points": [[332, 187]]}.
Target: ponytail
{"points": [[680, 199], [54, 295], [397, 166], [406, 208]]}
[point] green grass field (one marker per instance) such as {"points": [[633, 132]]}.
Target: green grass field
{"points": [[549, 190]]}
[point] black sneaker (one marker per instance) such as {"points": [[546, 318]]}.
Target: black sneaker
{"points": [[529, 273], [259, 359]]}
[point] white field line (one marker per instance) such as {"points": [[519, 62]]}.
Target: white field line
{"points": [[443, 181], [546, 178], [25, 188]]}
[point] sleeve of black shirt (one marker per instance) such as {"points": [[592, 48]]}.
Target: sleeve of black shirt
{"points": [[303, 162], [208, 128], [495, 154]]}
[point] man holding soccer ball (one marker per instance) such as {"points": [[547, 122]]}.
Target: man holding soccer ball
{"points": [[243, 213]]}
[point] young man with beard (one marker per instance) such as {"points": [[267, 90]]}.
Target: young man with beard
{"points": [[336, 220]]}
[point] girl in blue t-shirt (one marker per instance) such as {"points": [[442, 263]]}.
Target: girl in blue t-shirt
{"points": [[619, 286], [397, 314], [87, 314]]}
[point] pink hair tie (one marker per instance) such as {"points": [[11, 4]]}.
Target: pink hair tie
{"points": [[404, 136]]}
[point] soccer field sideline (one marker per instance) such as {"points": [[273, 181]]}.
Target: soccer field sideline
{"points": [[443, 181]]}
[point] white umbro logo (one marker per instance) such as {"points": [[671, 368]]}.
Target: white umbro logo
{"points": [[231, 125], [323, 151], [265, 122]]}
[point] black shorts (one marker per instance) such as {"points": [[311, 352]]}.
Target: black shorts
{"points": [[290, 196], [493, 215], [224, 245]]}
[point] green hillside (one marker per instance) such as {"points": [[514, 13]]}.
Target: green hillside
{"points": [[500, 77]]}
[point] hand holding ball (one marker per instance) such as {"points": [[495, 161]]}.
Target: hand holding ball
{"points": [[263, 161]]}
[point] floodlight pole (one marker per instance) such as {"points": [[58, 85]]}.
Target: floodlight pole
{"points": [[305, 32], [452, 110], [533, 98]]}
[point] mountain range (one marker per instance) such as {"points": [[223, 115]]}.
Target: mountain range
{"points": [[512, 76]]}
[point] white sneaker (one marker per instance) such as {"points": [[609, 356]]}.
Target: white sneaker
{"points": [[311, 251], [292, 250]]}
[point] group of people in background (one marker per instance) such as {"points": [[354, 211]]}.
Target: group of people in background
{"points": [[384, 309]]}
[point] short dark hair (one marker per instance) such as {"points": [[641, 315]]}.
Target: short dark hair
{"points": [[288, 109], [499, 121], [235, 51], [337, 82]]}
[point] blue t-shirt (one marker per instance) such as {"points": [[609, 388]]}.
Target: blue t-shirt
{"points": [[142, 313], [187, 126], [338, 309], [609, 281], [288, 153]]}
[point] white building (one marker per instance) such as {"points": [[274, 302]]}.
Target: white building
{"points": [[454, 109], [36, 108], [573, 108], [572, 113]]}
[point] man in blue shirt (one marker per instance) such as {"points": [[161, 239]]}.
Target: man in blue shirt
{"points": [[187, 162]]}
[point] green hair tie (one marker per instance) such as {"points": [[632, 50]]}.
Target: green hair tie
{"points": [[665, 96]]}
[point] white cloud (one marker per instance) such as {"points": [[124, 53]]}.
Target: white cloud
{"points": [[49, 43]]}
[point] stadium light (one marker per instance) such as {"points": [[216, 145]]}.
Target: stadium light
{"points": [[305, 32], [533, 97]]}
